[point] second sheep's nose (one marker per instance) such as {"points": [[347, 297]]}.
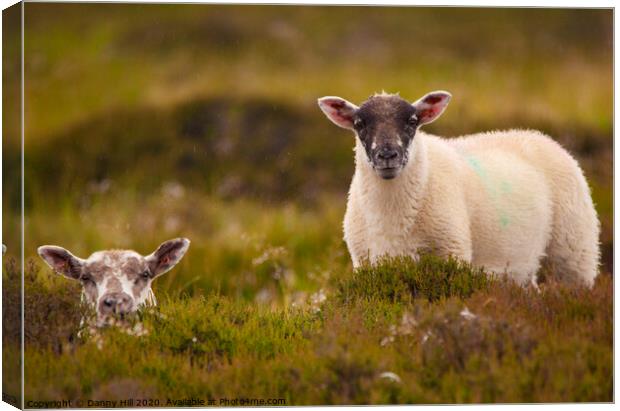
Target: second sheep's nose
{"points": [[117, 303]]}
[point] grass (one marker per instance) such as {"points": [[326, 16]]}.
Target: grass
{"points": [[148, 122], [403, 279], [480, 339]]}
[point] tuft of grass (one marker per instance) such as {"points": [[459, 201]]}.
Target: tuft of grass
{"points": [[404, 279], [52, 309], [216, 328], [11, 330]]}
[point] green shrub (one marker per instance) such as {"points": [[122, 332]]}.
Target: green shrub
{"points": [[403, 279]]}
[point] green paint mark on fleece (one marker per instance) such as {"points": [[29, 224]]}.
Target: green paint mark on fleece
{"points": [[505, 188], [504, 220], [475, 164]]}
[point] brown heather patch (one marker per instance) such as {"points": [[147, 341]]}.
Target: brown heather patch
{"points": [[52, 310], [475, 341]]}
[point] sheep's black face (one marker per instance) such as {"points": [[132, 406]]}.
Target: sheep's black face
{"points": [[386, 125]]}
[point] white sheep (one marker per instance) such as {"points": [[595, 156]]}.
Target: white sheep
{"points": [[501, 200]]}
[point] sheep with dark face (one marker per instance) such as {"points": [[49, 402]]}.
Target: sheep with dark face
{"points": [[501, 200], [116, 282]]}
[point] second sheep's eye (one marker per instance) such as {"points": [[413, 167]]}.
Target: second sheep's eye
{"points": [[144, 276], [358, 123]]}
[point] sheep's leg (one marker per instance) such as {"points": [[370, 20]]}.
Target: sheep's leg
{"points": [[459, 248], [574, 244], [534, 283]]}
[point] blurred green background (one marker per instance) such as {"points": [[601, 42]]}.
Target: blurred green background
{"points": [[147, 122]]}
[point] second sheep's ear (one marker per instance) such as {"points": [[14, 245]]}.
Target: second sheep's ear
{"points": [[338, 110], [167, 255], [430, 107], [61, 261]]}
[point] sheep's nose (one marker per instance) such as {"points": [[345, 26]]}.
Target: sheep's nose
{"points": [[387, 153], [115, 303]]}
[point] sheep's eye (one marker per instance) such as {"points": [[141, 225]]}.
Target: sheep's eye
{"points": [[144, 276], [358, 123], [87, 279], [412, 121]]}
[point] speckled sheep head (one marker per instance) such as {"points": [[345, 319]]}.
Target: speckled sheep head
{"points": [[116, 282], [385, 125]]}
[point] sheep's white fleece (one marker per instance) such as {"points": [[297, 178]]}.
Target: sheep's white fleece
{"points": [[500, 200]]}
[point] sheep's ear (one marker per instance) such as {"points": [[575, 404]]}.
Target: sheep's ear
{"points": [[167, 255], [338, 110], [62, 261], [430, 107]]}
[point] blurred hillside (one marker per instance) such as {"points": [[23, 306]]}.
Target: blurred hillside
{"points": [[504, 66]]}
